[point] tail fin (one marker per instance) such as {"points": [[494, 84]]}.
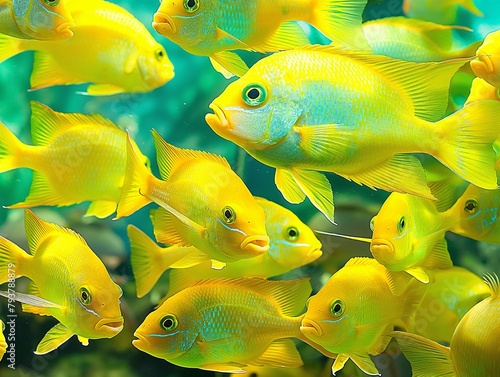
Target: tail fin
{"points": [[10, 47], [340, 20], [466, 147], [135, 184], [10, 149], [11, 260]]}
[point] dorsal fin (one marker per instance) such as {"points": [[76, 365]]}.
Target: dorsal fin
{"points": [[493, 283], [170, 157], [363, 261]]}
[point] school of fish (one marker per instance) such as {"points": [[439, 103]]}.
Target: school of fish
{"points": [[372, 106]]}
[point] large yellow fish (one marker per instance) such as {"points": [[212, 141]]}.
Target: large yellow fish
{"points": [[225, 324], [208, 205], [353, 312], [213, 27], [75, 158], [487, 63], [442, 11], [357, 115], [3, 343], [474, 347], [68, 282], [452, 293], [110, 49], [36, 19], [292, 245]]}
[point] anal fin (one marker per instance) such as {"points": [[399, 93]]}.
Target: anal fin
{"points": [[280, 353]]}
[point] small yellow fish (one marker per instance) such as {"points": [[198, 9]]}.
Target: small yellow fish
{"points": [[68, 282], [225, 324], [474, 347], [208, 205], [110, 49], [353, 312], [75, 158], [487, 63], [452, 293], [360, 116], [36, 19], [213, 27], [3, 343], [414, 40], [292, 245], [442, 11]]}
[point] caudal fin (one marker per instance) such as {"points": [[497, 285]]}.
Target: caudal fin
{"points": [[466, 145], [340, 20], [10, 149], [11, 260]]}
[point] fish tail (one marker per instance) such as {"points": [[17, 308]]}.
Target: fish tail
{"points": [[11, 149], [135, 184], [147, 260], [11, 260], [466, 144], [340, 20], [427, 358], [10, 47]]}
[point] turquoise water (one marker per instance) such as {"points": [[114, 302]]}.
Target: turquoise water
{"points": [[177, 112]]}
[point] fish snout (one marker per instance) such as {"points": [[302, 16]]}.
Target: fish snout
{"points": [[64, 31], [163, 23], [111, 326], [141, 342], [383, 251], [309, 327], [255, 245], [218, 119]]}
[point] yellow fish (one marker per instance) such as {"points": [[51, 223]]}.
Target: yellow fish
{"points": [[414, 40], [482, 90], [209, 207], [68, 282], [487, 63], [324, 109], [452, 293], [75, 158], [442, 11], [213, 27], [225, 324], [292, 245], [353, 312], [110, 49], [36, 19], [474, 347], [3, 343]]}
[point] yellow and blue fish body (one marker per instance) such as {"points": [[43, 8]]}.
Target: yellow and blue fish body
{"points": [[208, 205], [36, 19], [75, 158], [353, 312], [225, 324], [356, 115], [442, 11], [474, 347], [110, 49], [487, 63], [451, 294], [68, 282], [214, 27]]}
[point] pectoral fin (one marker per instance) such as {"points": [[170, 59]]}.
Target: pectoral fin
{"points": [[288, 36], [339, 362], [101, 208], [166, 229], [439, 257], [56, 336], [288, 187], [103, 90], [419, 274]]}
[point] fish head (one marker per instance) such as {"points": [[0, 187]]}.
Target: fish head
{"points": [[170, 331], [292, 243], [392, 240], [258, 110], [187, 22], [487, 63], [154, 66], [44, 19]]}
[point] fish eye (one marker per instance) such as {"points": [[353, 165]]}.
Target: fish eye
{"points": [[372, 223], [169, 322], [401, 224], [85, 296], [470, 206], [337, 308], [160, 54], [228, 215], [292, 233], [191, 5], [254, 94], [51, 3]]}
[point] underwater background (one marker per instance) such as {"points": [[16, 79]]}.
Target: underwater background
{"points": [[177, 110]]}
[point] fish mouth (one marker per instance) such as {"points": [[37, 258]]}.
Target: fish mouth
{"points": [[163, 23], [111, 325], [315, 252], [483, 63], [256, 244], [310, 327], [64, 29], [140, 343], [382, 250], [217, 120]]}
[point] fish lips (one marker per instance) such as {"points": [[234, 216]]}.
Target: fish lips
{"points": [[218, 120], [111, 326], [309, 327], [64, 31], [141, 343], [163, 23], [258, 244], [383, 250]]}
